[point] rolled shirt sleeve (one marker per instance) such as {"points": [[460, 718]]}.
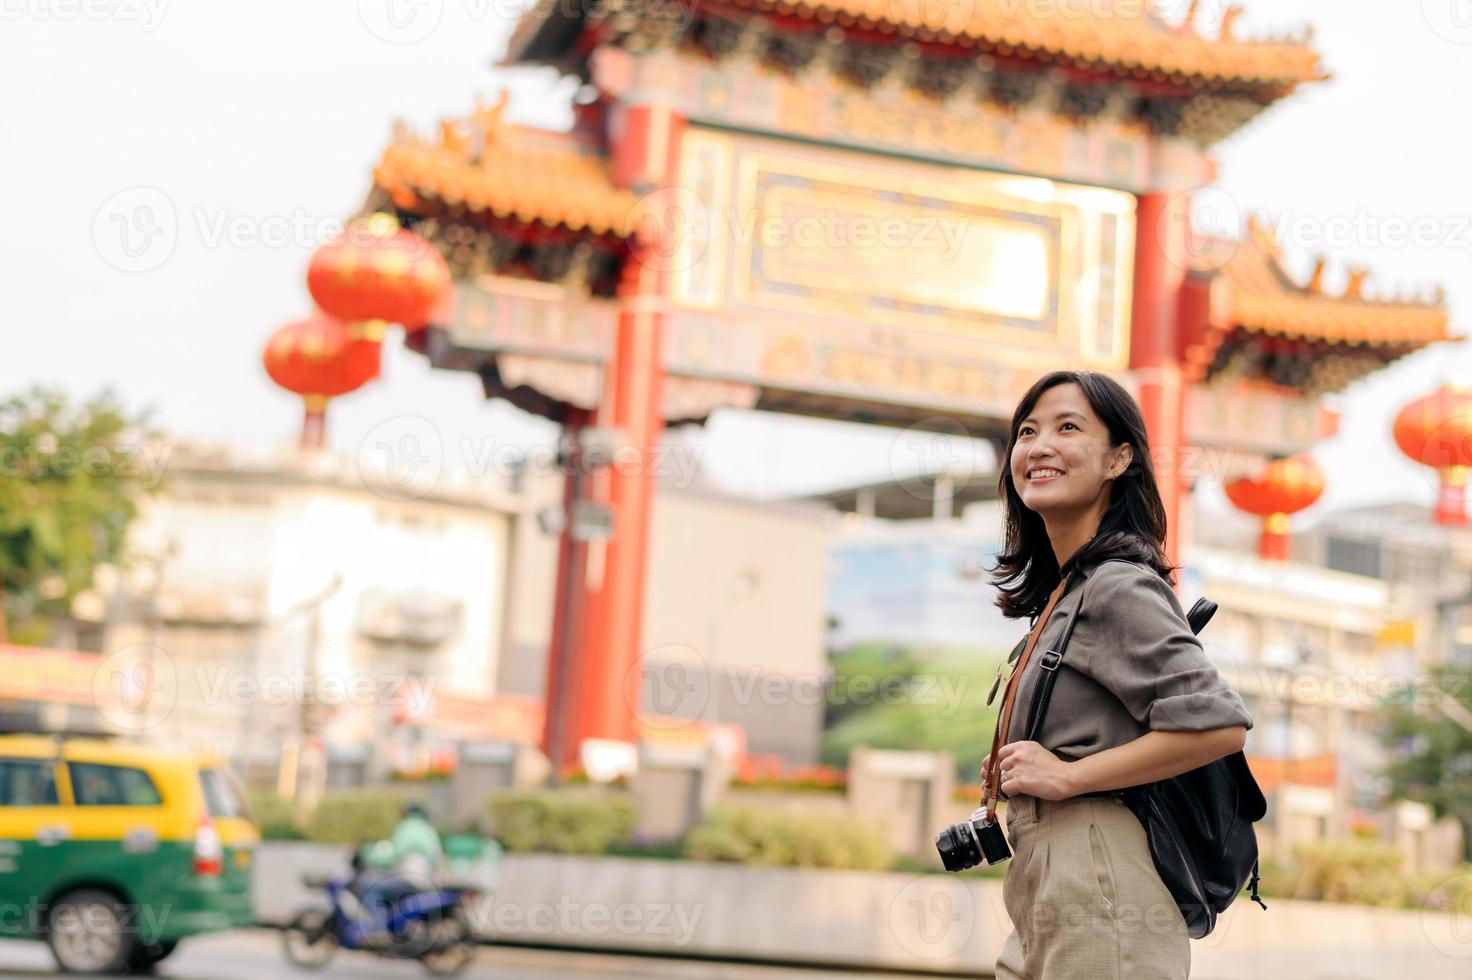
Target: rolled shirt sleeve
{"points": [[1137, 643]]}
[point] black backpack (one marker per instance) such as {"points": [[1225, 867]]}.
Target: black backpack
{"points": [[1199, 823]]}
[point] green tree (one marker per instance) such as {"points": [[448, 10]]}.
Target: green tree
{"points": [[1428, 730], [70, 479]]}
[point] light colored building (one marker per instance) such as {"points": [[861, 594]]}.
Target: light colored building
{"points": [[282, 595], [1426, 567]]}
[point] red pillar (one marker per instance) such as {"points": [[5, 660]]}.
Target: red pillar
{"points": [[1162, 222], [645, 159], [609, 699]]}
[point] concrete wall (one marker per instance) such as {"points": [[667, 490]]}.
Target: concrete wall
{"points": [[909, 792], [936, 922], [907, 796]]}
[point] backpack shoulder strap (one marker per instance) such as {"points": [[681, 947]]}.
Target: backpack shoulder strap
{"points": [[1048, 664], [1050, 660]]}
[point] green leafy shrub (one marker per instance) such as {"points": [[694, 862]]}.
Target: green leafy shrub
{"points": [[274, 816], [1449, 890], [775, 837], [1364, 872], [1277, 878], [561, 822], [355, 816], [1359, 871], [663, 850]]}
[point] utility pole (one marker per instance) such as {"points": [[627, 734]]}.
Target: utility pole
{"points": [[307, 781]]}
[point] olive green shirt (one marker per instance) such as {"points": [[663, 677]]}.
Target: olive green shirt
{"points": [[1132, 666]]}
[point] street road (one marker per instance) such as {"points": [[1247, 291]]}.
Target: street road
{"points": [[257, 953]]}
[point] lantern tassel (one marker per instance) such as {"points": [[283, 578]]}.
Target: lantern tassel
{"points": [[1451, 502], [1274, 544], [314, 422]]}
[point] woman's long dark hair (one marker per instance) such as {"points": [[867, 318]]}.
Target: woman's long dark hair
{"points": [[1133, 526]]}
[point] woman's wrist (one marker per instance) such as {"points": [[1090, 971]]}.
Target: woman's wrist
{"points": [[1078, 777]]}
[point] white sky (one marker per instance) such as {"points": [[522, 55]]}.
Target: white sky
{"points": [[255, 125]]}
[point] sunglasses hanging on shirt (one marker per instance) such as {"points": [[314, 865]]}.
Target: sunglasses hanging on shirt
{"points": [[1007, 667]]}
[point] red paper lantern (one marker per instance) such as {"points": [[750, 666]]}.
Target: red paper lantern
{"points": [[379, 271], [1436, 431], [365, 348], [319, 358], [1285, 486]]}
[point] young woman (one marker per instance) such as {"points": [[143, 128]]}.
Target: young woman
{"points": [[1135, 699]]}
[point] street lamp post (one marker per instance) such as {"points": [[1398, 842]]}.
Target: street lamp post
{"points": [[306, 782]]}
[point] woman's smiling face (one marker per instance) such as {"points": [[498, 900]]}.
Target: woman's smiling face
{"points": [[1062, 457]]}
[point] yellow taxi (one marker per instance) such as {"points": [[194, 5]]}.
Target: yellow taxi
{"points": [[112, 852]]}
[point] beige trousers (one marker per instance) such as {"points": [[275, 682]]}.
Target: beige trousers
{"points": [[1085, 900]]}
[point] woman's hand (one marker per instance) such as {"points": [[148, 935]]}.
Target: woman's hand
{"points": [[1034, 771]]}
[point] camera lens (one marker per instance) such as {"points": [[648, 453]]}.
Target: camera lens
{"points": [[958, 847]]}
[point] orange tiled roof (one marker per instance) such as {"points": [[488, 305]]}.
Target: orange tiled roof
{"points": [[1130, 40], [1258, 295], [518, 172]]}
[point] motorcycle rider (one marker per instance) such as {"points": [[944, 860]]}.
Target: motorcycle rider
{"points": [[401, 866]]}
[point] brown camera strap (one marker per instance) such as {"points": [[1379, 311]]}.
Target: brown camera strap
{"points": [[989, 784]]}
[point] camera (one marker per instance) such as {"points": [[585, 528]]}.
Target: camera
{"points": [[966, 844]]}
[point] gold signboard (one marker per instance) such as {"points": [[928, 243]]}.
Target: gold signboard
{"points": [[821, 359], [841, 244], [834, 271]]}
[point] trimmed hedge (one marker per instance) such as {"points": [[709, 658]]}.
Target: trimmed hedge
{"points": [[1445, 890], [355, 816], [1364, 872], [560, 822], [274, 816], [784, 838]]}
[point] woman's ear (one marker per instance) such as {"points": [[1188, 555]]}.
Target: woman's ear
{"points": [[1123, 457]]}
